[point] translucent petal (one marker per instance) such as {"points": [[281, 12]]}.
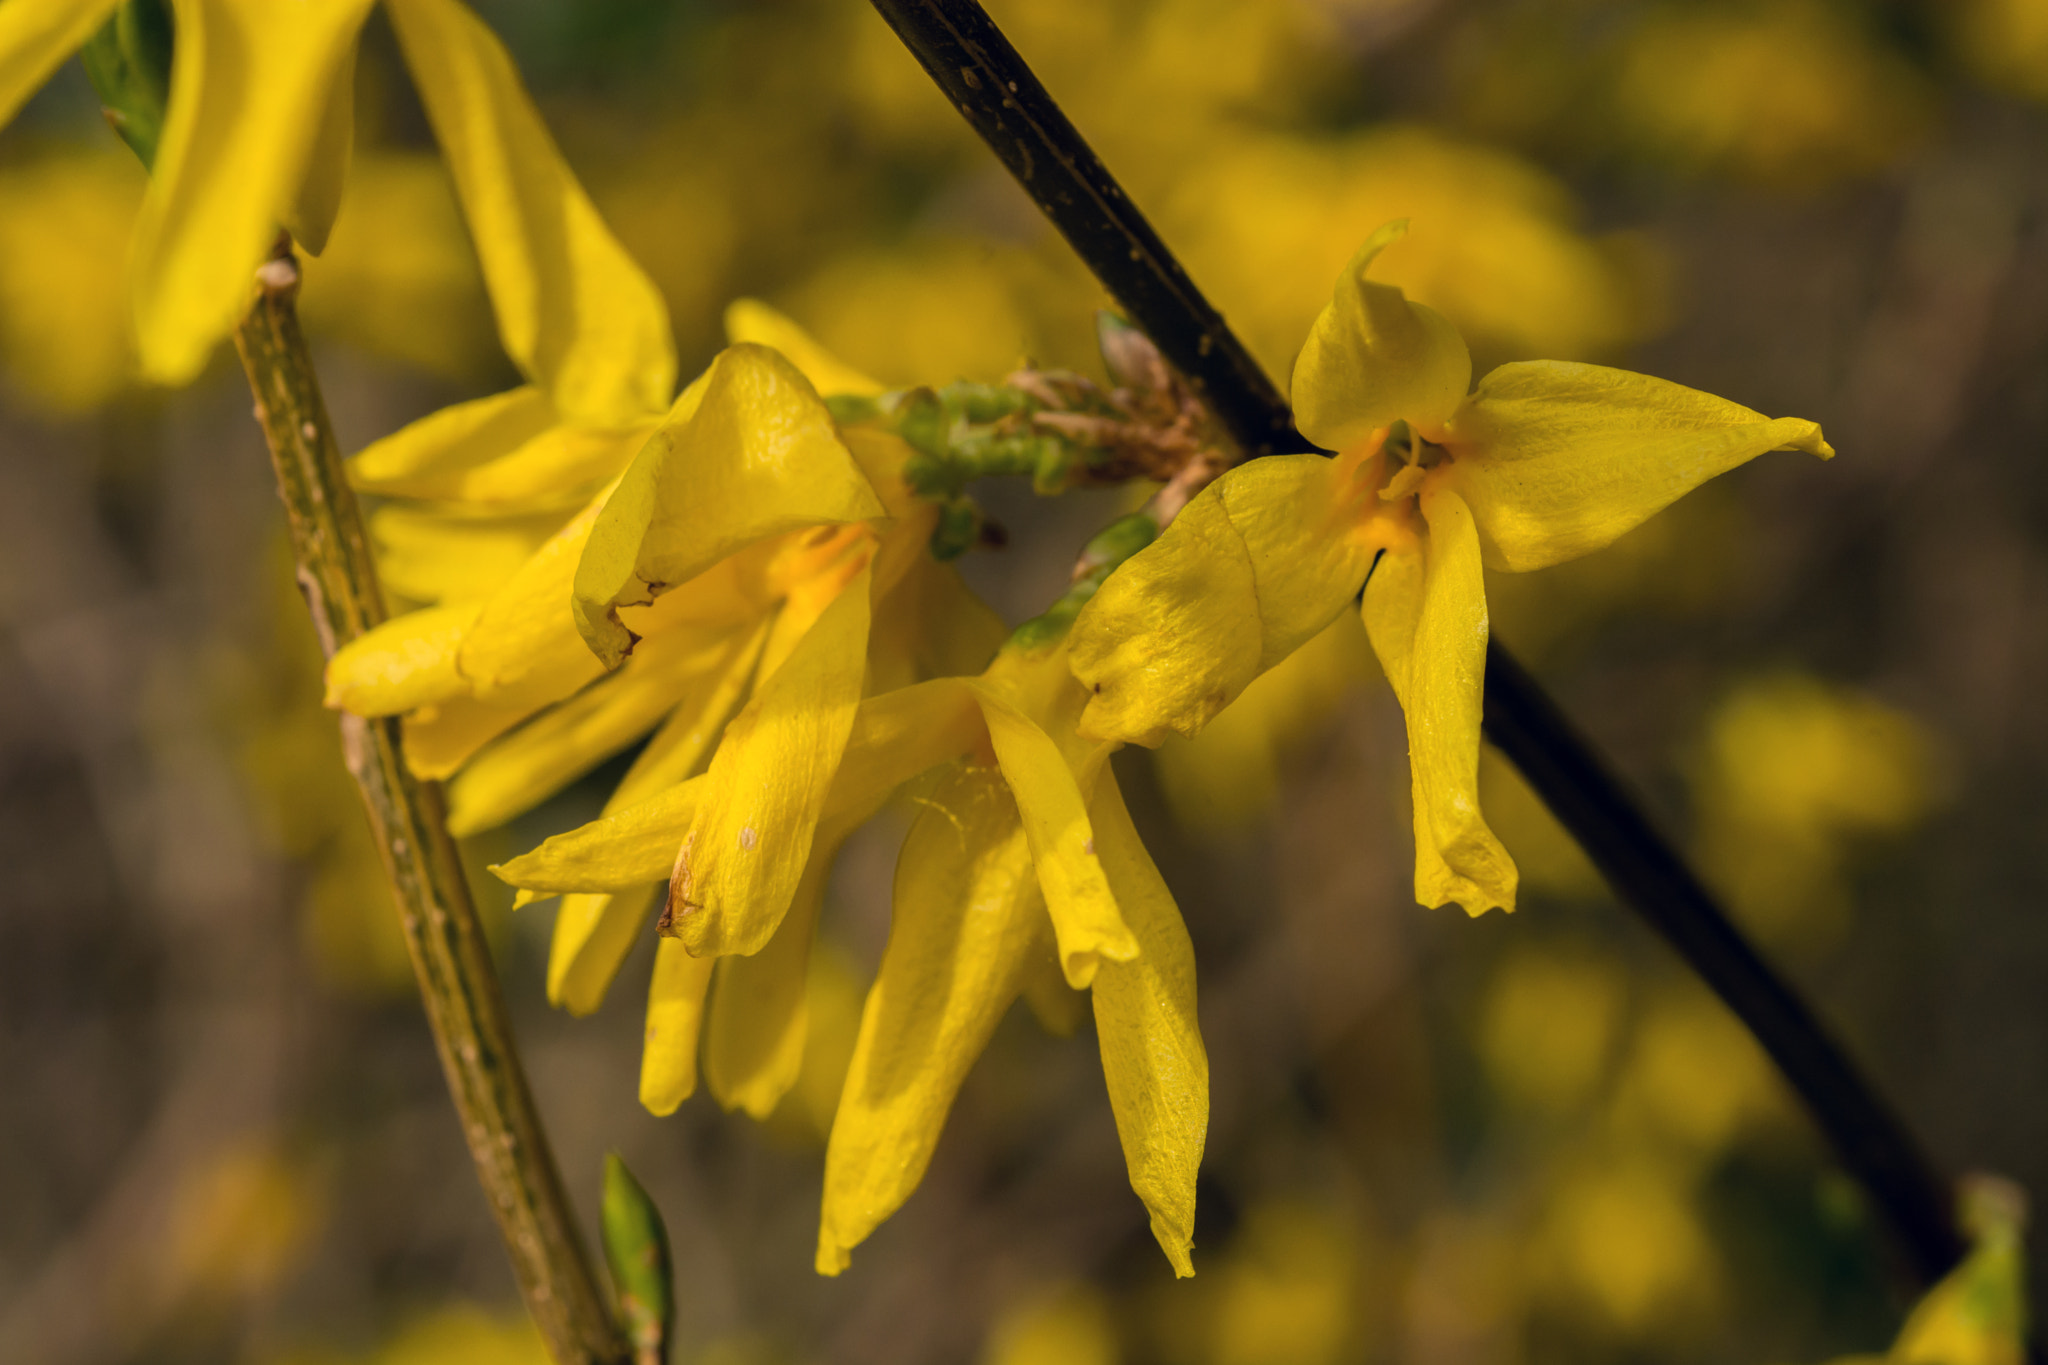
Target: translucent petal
{"points": [[593, 934], [754, 1039], [753, 320], [743, 857], [1426, 614], [1255, 566], [440, 738], [1373, 358], [567, 740], [756, 456], [576, 314], [930, 625], [35, 38], [675, 1016], [424, 459], [1557, 459], [524, 646], [961, 930], [248, 90], [1152, 1056], [1054, 811], [310, 216], [425, 556], [407, 662]]}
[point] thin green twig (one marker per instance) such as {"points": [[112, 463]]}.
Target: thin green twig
{"points": [[407, 818]]}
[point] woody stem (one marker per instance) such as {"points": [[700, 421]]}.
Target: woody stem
{"points": [[985, 78], [442, 931]]}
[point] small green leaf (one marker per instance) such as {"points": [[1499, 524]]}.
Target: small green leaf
{"points": [[129, 62], [636, 1250]]}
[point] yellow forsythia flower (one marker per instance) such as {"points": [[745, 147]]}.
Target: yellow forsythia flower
{"points": [[1022, 858], [258, 132], [1546, 461], [1977, 1315]]}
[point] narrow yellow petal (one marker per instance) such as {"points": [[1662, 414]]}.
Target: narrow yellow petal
{"points": [[407, 662], [743, 857], [425, 555], [570, 738], [576, 314], [1556, 459], [613, 853], [754, 1039], [682, 745], [1373, 358], [310, 216], [35, 38], [929, 625], [1254, 567], [440, 738], [961, 930], [754, 455], [753, 320], [421, 459], [524, 646], [1426, 614], [249, 87], [1055, 815], [1152, 1056], [675, 1016], [592, 936]]}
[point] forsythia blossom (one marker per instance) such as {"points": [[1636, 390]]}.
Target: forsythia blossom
{"points": [[257, 132], [1544, 462]]}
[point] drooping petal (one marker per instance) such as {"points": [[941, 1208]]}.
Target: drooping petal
{"points": [[593, 934], [675, 1017], [1054, 811], [425, 555], [1255, 566], [929, 625], [406, 663], [743, 857], [754, 1038], [35, 38], [420, 459], [753, 456], [524, 646], [1153, 1060], [440, 738], [310, 215], [960, 933], [1373, 358], [1426, 614], [1557, 459], [753, 320], [576, 314], [632, 847], [567, 740], [249, 88]]}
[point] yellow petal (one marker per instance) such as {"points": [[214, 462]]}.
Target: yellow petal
{"points": [[1054, 811], [930, 625], [741, 861], [576, 314], [754, 1039], [756, 455], [567, 740], [249, 89], [1152, 1056], [439, 739], [1426, 614], [961, 930], [1556, 459], [524, 646], [310, 216], [613, 853], [675, 1015], [753, 320], [423, 458], [1373, 358], [679, 748], [425, 555], [1254, 567], [592, 936], [407, 662], [35, 38]]}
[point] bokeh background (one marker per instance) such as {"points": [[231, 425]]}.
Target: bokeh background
{"points": [[1509, 1141]]}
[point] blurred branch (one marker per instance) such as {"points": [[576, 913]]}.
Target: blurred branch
{"points": [[442, 930], [988, 81]]}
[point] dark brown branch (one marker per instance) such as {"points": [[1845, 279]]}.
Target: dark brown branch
{"points": [[986, 79]]}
